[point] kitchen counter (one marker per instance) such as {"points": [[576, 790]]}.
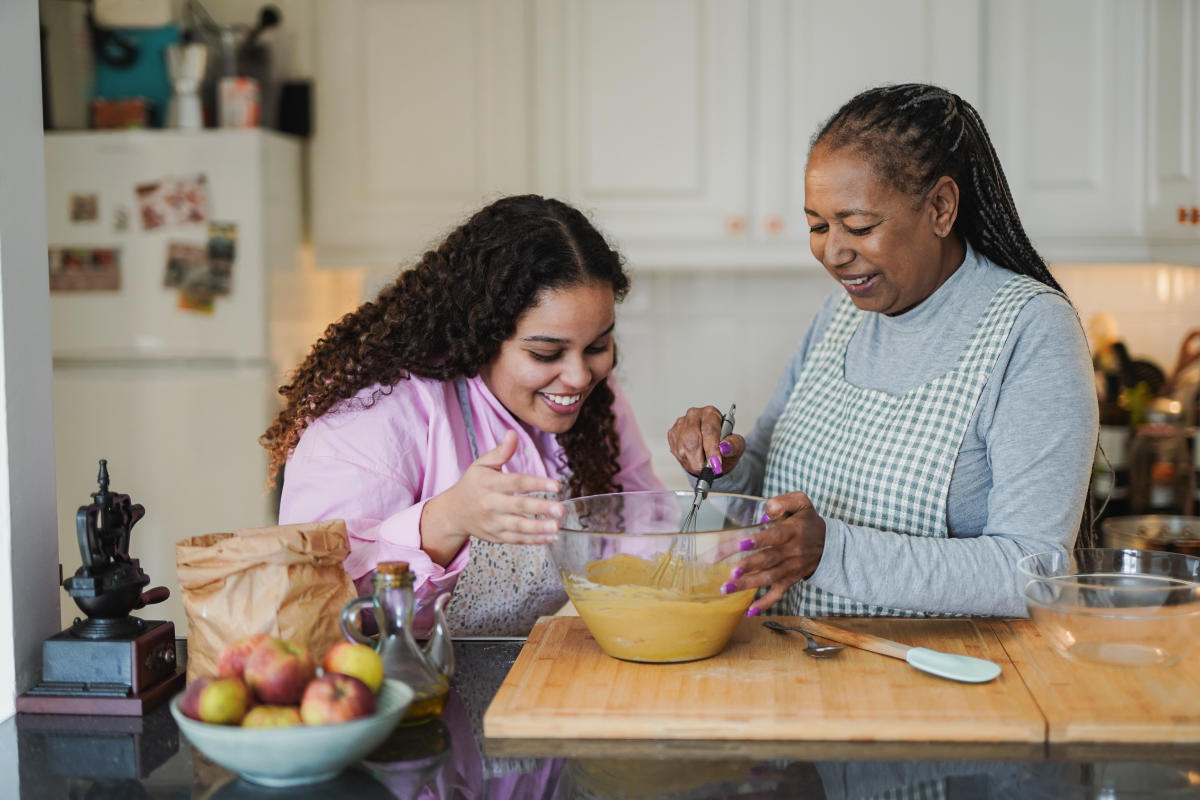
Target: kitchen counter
{"points": [[104, 757]]}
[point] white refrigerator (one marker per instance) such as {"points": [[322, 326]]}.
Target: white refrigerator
{"points": [[170, 383]]}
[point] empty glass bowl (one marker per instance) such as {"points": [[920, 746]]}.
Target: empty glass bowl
{"points": [[1130, 608], [646, 591]]}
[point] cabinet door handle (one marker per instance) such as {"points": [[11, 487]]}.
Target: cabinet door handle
{"points": [[1183, 215], [735, 224], [773, 224], [1196, 215]]}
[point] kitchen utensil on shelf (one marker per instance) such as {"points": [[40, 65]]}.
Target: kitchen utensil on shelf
{"points": [[1173, 533], [812, 648], [945, 665], [186, 64], [1128, 608], [680, 558], [610, 546], [429, 670]]}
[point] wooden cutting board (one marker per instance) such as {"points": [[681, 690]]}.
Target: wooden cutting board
{"points": [[762, 687], [1094, 703]]}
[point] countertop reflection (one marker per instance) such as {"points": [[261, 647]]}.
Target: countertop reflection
{"points": [[128, 758]]}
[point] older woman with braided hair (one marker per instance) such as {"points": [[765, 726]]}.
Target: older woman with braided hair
{"points": [[432, 417], [938, 420]]}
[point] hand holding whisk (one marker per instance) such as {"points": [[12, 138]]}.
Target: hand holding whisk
{"points": [[677, 570], [705, 479]]}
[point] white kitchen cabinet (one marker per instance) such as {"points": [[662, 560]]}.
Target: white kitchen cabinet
{"points": [[1066, 109], [683, 125], [422, 116], [812, 57], [1173, 136]]}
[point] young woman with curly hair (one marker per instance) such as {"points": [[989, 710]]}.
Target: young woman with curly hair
{"points": [[429, 418]]}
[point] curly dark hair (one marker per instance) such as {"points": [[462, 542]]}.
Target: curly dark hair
{"points": [[447, 316]]}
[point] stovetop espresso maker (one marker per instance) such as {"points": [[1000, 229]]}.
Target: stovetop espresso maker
{"points": [[109, 662]]}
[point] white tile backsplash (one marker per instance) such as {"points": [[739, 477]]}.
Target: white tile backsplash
{"points": [[1154, 305]]}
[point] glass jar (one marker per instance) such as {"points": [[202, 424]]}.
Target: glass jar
{"points": [[1161, 475]]}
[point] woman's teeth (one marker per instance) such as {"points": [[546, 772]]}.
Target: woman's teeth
{"points": [[562, 399], [856, 281]]}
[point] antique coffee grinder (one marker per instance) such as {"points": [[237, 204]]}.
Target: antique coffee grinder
{"points": [[110, 662]]}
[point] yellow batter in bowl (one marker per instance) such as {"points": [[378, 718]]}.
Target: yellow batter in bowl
{"points": [[636, 617]]}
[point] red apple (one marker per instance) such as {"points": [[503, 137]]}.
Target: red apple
{"points": [[221, 701], [277, 671], [358, 660], [271, 717], [336, 698], [232, 660]]}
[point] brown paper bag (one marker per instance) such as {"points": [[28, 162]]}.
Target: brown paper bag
{"points": [[284, 580]]}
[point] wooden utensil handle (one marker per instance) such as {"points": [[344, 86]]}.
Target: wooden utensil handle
{"points": [[863, 641]]}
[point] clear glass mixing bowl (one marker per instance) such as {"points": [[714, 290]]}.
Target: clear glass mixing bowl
{"points": [[1130, 608], [646, 591]]}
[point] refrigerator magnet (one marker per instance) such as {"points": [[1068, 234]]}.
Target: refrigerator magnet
{"points": [[187, 266], [222, 246], [172, 201], [83, 208], [85, 269], [193, 300]]}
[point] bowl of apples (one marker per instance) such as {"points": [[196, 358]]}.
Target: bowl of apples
{"points": [[274, 718]]}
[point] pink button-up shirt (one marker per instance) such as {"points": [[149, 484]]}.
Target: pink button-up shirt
{"points": [[376, 468]]}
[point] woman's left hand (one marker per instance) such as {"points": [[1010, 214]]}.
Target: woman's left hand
{"points": [[789, 549]]}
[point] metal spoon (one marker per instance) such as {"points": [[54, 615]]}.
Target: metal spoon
{"points": [[812, 648]]}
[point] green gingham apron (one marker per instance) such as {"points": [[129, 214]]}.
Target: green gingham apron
{"points": [[875, 459]]}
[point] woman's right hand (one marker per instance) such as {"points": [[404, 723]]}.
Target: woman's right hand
{"points": [[695, 441], [492, 505]]}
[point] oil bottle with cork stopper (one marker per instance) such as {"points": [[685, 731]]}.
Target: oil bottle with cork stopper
{"points": [[426, 670]]}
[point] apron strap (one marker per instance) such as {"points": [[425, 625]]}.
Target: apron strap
{"points": [[460, 385]]}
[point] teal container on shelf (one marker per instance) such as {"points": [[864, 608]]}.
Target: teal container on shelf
{"points": [[132, 62]]}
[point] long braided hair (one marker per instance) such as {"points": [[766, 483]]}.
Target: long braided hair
{"points": [[912, 134], [447, 316]]}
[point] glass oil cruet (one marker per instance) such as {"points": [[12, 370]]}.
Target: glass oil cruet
{"points": [[427, 671]]}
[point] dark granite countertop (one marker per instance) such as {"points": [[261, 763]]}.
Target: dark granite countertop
{"points": [[54, 756]]}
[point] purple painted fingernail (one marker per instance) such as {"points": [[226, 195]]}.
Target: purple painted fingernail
{"points": [[753, 612], [728, 588], [715, 463], [746, 544], [725, 447], [766, 517], [737, 572]]}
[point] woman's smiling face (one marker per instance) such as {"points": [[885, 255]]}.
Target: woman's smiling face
{"points": [[889, 250], [562, 348]]}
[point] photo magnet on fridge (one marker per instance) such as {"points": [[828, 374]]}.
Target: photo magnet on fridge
{"points": [[222, 246], [85, 269], [84, 208], [172, 201], [187, 266]]}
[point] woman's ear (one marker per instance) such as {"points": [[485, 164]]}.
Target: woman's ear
{"points": [[943, 206]]}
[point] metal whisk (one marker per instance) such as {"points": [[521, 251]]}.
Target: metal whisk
{"points": [[677, 569], [704, 482]]}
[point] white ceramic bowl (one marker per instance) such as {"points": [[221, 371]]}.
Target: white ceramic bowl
{"points": [[302, 753]]}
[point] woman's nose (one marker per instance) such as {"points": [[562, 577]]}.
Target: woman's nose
{"points": [[575, 373], [835, 252]]}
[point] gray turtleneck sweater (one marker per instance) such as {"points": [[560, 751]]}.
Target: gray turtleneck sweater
{"points": [[1023, 467]]}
